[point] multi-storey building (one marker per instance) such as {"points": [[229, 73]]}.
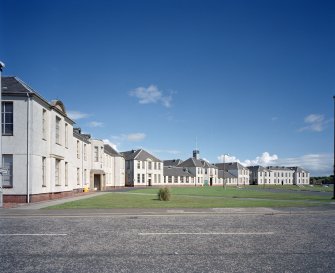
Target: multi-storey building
{"points": [[237, 170], [278, 175], [203, 172], [142, 168], [44, 155]]}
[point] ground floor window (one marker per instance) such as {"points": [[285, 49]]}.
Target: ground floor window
{"points": [[7, 178]]}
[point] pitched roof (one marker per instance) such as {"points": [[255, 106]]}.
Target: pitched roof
{"points": [[109, 150], [257, 168], [191, 162], [176, 171], [226, 174], [230, 166], [140, 154], [172, 162], [11, 85]]}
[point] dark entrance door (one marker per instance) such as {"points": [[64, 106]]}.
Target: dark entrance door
{"points": [[211, 181], [97, 182], [149, 181]]}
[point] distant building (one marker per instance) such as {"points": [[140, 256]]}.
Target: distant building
{"points": [[278, 175], [258, 175], [178, 176], [237, 170], [204, 173], [228, 178], [142, 168]]}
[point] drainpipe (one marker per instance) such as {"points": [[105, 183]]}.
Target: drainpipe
{"points": [[2, 65], [28, 163]]}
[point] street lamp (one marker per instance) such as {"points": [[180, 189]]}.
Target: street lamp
{"points": [[2, 66], [223, 161]]}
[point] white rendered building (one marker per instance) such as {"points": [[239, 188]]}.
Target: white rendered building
{"points": [[45, 156]]}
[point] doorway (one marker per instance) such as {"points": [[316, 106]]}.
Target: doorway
{"points": [[97, 182]]}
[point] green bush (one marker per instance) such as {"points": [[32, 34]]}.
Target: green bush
{"points": [[164, 194]]}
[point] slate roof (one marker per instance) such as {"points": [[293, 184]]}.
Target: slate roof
{"points": [[226, 175], [172, 162], [191, 162], [11, 84], [258, 168], [112, 152], [299, 169], [176, 171], [139, 154], [279, 168], [230, 166]]}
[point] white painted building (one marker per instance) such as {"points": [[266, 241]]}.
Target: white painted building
{"points": [[278, 175], [45, 156], [237, 170], [202, 171], [142, 169]]}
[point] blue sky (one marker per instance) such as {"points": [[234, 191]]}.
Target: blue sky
{"points": [[254, 79]]}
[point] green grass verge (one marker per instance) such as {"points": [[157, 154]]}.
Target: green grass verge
{"points": [[200, 197]]}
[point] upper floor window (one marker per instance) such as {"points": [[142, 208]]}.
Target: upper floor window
{"points": [[44, 124], [66, 135], [7, 118], [78, 149], [138, 164], [96, 154], [85, 152], [149, 165], [58, 130]]}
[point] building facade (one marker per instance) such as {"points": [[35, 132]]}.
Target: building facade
{"points": [[237, 170], [142, 168], [43, 153], [278, 175]]}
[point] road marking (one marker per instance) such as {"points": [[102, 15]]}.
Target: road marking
{"points": [[205, 233], [33, 234]]}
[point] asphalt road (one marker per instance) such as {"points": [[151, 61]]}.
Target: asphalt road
{"points": [[224, 240]]}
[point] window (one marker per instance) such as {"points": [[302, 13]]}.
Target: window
{"points": [[138, 164], [138, 178], [169, 179], [44, 159], [44, 124], [66, 173], [159, 166], [149, 165], [96, 154], [57, 172], [78, 149], [143, 165], [155, 165], [7, 163], [66, 136], [7, 118], [85, 152], [78, 176], [143, 178], [58, 130]]}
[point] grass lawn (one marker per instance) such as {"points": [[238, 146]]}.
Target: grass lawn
{"points": [[200, 197]]}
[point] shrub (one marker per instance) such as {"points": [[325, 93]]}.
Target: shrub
{"points": [[164, 194]]}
